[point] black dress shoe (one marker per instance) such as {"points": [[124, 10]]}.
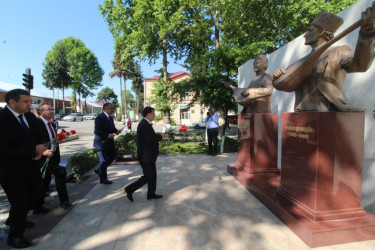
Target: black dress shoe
{"points": [[106, 182], [208, 153], [28, 224], [65, 204], [214, 154], [129, 195], [41, 210], [96, 171], [18, 242], [155, 196]]}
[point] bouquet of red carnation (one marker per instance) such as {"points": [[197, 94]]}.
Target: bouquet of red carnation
{"points": [[55, 141], [183, 128]]}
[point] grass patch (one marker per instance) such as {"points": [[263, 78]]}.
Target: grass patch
{"points": [[182, 148], [178, 147]]}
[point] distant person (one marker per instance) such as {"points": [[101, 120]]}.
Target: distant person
{"points": [[19, 146], [128, 123], [48, 133], [212, 120], [147, 150], [105, 132]]}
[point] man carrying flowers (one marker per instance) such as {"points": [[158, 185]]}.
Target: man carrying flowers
{"points": [[50, 165]]}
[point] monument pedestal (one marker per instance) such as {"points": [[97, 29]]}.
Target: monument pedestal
{"points": [[318, 193], [257, 143]]}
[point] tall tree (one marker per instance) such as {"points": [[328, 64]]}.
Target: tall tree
{"points": [[56, 69]]}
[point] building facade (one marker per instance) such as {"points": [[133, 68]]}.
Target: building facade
{"points": [[181, 114]]}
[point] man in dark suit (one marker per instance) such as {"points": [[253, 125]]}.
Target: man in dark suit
{"points": [[105, 131], [48, 132], [19, 138], [147, 150]]}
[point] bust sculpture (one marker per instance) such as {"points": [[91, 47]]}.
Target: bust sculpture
{"points": [[256, 98], [320, 88]]}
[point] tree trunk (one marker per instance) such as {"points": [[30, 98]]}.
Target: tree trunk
{"points": [[167, 113], [217, 33], [121, 107], [63, 100], [125, 97]]}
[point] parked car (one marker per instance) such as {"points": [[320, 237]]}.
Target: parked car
{"points": [[201, 124], [90, 116], [59, 116], [73, 117]]}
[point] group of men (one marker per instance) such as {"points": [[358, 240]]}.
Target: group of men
{"points": [[24, 148]]}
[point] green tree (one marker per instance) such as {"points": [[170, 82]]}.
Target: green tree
{"points": [[84, 67], [106, 95], [56, 69]]}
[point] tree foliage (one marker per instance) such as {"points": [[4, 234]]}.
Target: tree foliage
{"points": [[106, 95]]}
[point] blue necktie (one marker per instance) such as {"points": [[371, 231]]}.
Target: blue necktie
{"points": [[25, 127]]}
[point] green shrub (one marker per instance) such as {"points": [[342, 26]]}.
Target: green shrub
{"points": [[81, 163], [171, 134], [126, 144], [230, 145]]}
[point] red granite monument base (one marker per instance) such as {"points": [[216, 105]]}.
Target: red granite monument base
{"points": [[257, 143], [318, 193]]}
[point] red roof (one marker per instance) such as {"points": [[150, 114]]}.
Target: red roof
{"points": [[172, 76]]}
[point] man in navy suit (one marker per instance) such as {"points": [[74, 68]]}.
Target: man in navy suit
{"points": [[19, 150], [147, 150], [105, 131]]}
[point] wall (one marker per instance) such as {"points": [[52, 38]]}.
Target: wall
{"points": [[358, 87]]}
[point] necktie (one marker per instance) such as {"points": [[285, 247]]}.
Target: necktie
{"points": [[51, 130], [25, 127]]}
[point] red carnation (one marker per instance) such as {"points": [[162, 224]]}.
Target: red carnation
{"points": [[63, 130], [73, 132], [61, 137]]}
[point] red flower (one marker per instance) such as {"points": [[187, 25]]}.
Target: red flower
{"points": [[67, 134], [63, 130], [61, 137], [73, 132]]}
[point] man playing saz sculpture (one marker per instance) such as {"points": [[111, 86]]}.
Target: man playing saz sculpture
{"points": [[320, 88], [257, 97]]}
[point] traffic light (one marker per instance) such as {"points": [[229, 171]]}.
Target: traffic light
{"points": [[28, 80]]}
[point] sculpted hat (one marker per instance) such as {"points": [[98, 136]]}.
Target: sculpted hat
{"points": [[327, 21]]}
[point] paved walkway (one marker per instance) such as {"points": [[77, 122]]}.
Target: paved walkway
{"points": [[203, 208]]}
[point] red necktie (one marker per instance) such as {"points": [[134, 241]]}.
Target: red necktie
{"points": [[51, 130]]}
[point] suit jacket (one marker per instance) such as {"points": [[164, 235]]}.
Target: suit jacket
{"points": [[45, 139], [17, 147], [104, 127], [148, 142], [323, 89]]}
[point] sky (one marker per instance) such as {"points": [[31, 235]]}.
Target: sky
{"points": [[29, 29]]}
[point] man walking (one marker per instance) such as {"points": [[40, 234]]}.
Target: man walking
{"points": [[105, 131], [147, 150]]}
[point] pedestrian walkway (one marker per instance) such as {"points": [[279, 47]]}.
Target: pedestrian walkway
{"points": [[203, 208]]}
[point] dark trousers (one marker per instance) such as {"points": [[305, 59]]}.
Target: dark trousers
{"points": [[212, 134], [60, 181], [105, 159], [23, 194], [149, 177]]}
